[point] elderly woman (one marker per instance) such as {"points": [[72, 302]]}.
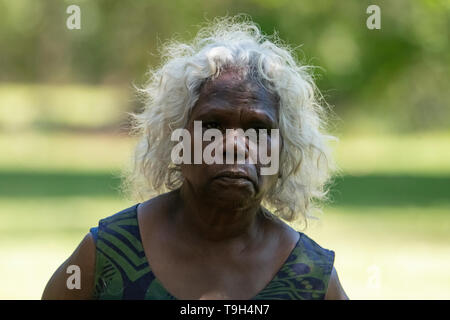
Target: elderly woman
{"points": [[205, 229]]}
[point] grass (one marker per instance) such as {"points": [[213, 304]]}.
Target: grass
{"points": [[24, 106], [389, 219], [37, 151], [407, 246], [425, 153]]}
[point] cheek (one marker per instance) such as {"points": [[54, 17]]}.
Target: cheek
{"points": [[192, 174], [191, 170], [198, 174]]}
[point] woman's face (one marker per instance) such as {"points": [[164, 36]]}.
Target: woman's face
{"points": [[229, 102]]}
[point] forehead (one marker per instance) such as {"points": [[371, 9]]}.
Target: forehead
{"points": [[231, 90]]}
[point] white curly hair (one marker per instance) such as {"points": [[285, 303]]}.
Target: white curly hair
{"points": [[306, 164]]}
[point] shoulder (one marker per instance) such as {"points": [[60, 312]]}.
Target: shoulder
{"points": [[316, 252], [156, 212], [116, 232], [335, 290], [316, 264], [287, 235], [126, 223], [85, 259], [80, 264], [163, 203], [123, 217], [306, 245], [319, 259], [324, 259], [128, 213], [308, 272]]}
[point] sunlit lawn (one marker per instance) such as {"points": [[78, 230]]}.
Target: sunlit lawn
{"points": [[389, 223]]}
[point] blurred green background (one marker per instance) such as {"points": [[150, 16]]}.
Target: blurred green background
{"points": [[64, 95]]}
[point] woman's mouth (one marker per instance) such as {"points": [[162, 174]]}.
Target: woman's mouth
{"points": [[234, 178]]}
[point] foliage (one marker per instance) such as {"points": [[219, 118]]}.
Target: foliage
{"points": [[396, 76]]}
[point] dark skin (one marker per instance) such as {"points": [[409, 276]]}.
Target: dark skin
{"points": [[209, 239]]}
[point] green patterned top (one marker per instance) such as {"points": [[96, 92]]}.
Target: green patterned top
{"points": [[122, 270]]}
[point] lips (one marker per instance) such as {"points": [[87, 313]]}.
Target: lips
{"points": [[234, 175]]}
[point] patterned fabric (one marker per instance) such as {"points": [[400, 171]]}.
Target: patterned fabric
{"points": [[122, 270]]}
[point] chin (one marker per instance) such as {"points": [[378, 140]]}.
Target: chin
{"points": [[231, 196]]}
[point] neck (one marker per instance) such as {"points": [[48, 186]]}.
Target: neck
{"points": [[212, 221]]}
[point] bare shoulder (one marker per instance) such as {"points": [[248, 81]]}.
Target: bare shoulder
{"points": [[83, 260], [161, 204], [335, 290], [285, 236]]}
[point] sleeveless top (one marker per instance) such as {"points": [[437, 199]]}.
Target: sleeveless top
{"points": [[122, 270]]}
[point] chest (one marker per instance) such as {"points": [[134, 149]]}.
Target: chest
{"points": [[189, 274]]}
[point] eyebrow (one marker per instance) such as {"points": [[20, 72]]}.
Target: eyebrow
{"points": [[252, 115], [260, 116]]}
